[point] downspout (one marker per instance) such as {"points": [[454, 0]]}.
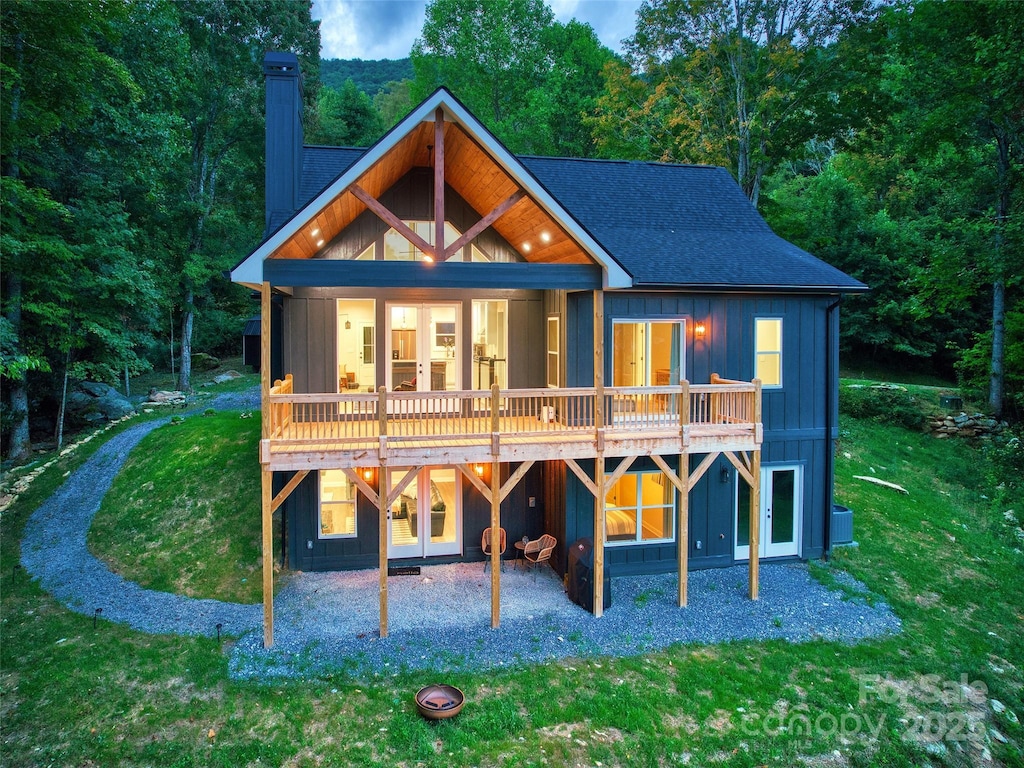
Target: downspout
{"points": [[831, 327]]}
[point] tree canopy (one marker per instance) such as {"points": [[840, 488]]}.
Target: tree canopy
{"points": [[884, 138]]}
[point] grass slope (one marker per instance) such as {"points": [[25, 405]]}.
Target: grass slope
{"points": [[183, 514], [74, 695]]}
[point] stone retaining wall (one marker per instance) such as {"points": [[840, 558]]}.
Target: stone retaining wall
{"points": [[964, 425]]}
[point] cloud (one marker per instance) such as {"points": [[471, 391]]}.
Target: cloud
{"points": [[612, 20], [386, 29], [368, 29]]}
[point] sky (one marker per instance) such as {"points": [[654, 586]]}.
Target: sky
{"points": [[385, 29]]}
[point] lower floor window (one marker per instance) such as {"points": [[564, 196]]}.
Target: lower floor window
{"points": [[640, 508], [337, 505]]}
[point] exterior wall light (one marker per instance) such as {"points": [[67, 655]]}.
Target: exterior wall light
{"points": [[478, 469], [368, 474], [699, 329]]}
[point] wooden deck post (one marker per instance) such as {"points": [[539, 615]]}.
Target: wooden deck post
{"points": [[599, 422], [383, 492], [683, 528], [755, 500], [495, 509], [267, 477], [495, 545], [268, 557], [265, 358]]}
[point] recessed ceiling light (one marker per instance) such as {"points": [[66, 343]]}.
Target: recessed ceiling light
{"points": [[545, 237], [315, 232], [526, 247], [319, 243]]}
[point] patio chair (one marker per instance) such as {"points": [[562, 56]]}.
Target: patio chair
{"points": [[539, 552], [485, 544]]}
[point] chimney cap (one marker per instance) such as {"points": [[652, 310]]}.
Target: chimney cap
{"points": [[281, 63]]}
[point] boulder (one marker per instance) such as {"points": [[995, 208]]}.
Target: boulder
{"points": [[91, 402], [204, 362], [165, 396], [96, 389], [226, 376]]}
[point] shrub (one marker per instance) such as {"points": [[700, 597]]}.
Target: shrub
{"points": [[883, 405]]}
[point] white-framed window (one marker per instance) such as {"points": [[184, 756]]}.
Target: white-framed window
{"points": [[398, 248], [337, 505], [647, 353], [640, 509], [490, 343], [768, 351], [553, 351]]}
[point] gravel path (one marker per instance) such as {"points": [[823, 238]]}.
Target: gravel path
{"points": [[54, 551], [328, 622]]}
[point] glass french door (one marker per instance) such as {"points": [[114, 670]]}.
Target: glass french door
{"points": [[781, 513], [423, 347], [426, 518], [647, 354]]}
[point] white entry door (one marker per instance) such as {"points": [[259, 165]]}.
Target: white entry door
{"points": [[423, 347], [426, 518], [781, 513]]}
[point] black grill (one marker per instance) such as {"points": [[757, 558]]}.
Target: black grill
{"points": [[581, 576]]}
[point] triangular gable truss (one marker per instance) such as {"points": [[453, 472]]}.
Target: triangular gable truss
{"points": [[441, 133]]}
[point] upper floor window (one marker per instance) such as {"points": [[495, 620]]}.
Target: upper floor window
{"points": [[768, 350], [553, 353], [398, 248]]}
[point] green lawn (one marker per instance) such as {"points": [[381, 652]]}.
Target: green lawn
{"points": [[183, 515], [942, 556]]}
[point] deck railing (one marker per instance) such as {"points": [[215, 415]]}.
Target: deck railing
{"points": [[362, 418]]}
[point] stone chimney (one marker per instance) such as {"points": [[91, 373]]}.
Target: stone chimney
{"points": [[284, 136]]}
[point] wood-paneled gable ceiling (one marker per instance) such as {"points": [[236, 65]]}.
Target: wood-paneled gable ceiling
{"points": [[471, 172]]}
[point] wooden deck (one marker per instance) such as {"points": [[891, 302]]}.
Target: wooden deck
{"points": [[320, 431]]}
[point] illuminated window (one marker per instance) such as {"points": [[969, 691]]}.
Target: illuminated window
{"points": [[490, 343], [647, 354], [553, 351], [398, 248], [337, 505], [768, 351], [640, 509]]}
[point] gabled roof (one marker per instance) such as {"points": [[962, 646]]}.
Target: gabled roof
{"points": [[655, 225], [495, 175]]}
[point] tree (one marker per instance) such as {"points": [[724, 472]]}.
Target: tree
{"points": [[527, 77], [728, 82], [957, 70], [55, 71], [347, 118], [220, 101]]}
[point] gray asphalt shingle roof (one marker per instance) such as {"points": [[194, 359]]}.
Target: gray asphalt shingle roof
{"points": [[667, 225]]}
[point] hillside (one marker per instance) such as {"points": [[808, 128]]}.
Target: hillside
{"points": [[370, 76]]}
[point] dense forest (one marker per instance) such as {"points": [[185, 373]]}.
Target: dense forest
{"points": [[369, 76], [885, 138]]}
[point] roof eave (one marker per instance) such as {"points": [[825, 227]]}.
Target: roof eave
{"points": [[754, 288]]}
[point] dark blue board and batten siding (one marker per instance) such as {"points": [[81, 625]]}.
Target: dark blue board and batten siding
{"points": [[308, 552], [794, 416], [309, 351], [310, 330]]}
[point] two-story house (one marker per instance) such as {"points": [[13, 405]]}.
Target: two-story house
{"points": [[455, 338]]}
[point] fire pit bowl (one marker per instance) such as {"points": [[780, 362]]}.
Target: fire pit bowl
{"points": [[438, 702]]}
